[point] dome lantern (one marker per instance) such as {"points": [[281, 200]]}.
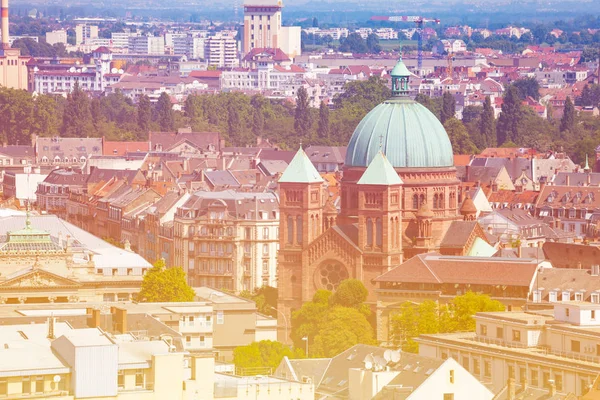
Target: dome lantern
{"points": [[400, 75]]}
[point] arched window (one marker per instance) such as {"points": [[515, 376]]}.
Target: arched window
{"points": [[299, 229], [415, 201], [45, 160], [435, 200], [290, 229], [82, 159], [421, 200], [369, 232], [379, 232], [441, 201]]}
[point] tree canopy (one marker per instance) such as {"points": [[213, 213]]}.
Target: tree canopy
{"points": [[162, 284], [263, 354], [429, 317]]}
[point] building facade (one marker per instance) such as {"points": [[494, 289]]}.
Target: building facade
{"points": [[228, 239]]}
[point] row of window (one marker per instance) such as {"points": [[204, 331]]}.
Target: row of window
{"points": [[565, 296], [57, 160]]}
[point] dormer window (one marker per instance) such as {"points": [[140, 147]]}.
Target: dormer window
{"points": [[566, 296], [552, 296]]}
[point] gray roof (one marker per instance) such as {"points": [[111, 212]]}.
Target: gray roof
{"points": [[326, 154], [221, 178], [514, 166], [576, 179], [272, 167], [18, 151], [66, 177], [51, 147], [238, 204]]}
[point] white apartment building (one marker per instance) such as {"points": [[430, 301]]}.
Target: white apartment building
{"points": [[92, 77], [188, 45], [58, 36], [120, 40], [221, 51], [335, 33], [84, 32], [228, 239], [540, 350], [151, 45]]}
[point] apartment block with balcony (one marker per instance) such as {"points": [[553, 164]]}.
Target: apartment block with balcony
{"points": [[221, 51], [228, 239], [558, 350]]}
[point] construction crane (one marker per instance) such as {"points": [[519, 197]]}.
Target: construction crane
{"points": [[419, 21]]}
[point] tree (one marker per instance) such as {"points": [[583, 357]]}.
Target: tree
{"points": [[448, 107], [307, 321], [459, 137], [323, 127], [467, 305], [302, 119], [487, 124], [364, 95], [162, 284], [405, 327], [507, 128], [373, 43], [350, 293], [344, 328], [433, 105], [265, 298], [258, 103], [77, 116], [163, 111], [263, 354], [144, 114], [528, 87], [353, 43], [471, 113], [567, 122]]}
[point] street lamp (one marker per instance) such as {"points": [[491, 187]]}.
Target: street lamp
{"points": [[284, 319], [305, 338]]}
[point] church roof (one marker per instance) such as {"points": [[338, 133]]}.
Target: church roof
{"points": [[380, 172], [300, 170]]}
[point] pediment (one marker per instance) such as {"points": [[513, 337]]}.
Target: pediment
{"points": [[37, 278], [333, 242]]}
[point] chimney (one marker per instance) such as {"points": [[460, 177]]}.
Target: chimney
{"points": [[94, 319], [4, 12], [119, 316], [589, 179], [552, 387], [51, 320], [512, 390], [519, 252]]}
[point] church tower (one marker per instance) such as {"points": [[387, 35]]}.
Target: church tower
{"points": [[380, 214], [300, 223]]}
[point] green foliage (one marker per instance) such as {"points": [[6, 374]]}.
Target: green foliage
{"points": [[429, 317], [487, 125], [507, 128], [77, 117], [354, 43], [162, 284], [333, 322], [433, 105], [350, 293], [527, 87], [302, 118], [448, 107], [459, 137], [471, 113], [163, 112], [265, 298], [265, 354], [567, 122], [144, 113], [323, 127]]}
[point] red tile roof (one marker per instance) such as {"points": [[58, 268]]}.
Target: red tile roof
{"points": [[437, 269], [122, 148], [205, 74]]}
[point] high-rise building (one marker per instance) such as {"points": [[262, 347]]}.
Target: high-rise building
{"points": [[147, 45], [221, 51], [13, 66], [84, 32], [262, 28], [262, 24]]}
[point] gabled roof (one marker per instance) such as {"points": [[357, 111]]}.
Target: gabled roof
{"points": [[380, 172], [274, 54], [300, 170]]}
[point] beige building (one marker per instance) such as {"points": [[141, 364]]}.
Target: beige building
{"points": [[44, 259], [57, 36], [85, 33], [559, 351], [13, 66], [263, 30], [228, 240]]}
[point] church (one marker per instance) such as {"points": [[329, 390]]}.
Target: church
{"points": [[399, 198]]}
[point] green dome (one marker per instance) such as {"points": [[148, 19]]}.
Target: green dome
{"points": [[408, 133]]}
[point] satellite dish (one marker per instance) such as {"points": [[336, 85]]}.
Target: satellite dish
{"points": [[395, 356], [387, 355], [121, 71], [84, 69], [72, 69], [113, 71], [368, 365], [56, 378]]}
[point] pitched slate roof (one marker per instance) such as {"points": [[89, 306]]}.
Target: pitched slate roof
{"points": [[300, 170], [569, 255], [380, 172]]}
